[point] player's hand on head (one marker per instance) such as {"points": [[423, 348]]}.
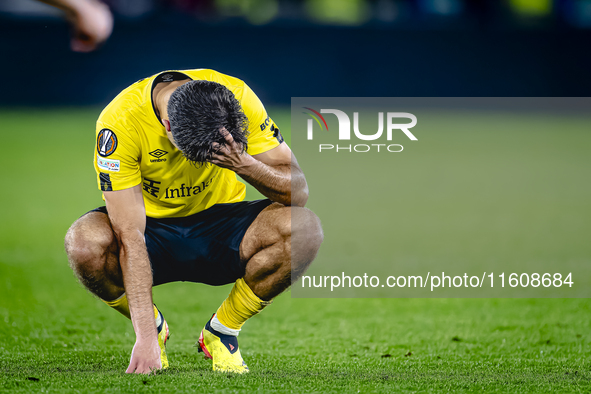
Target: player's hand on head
{"points": [[145, 357], [92, 24], [230, 154]]}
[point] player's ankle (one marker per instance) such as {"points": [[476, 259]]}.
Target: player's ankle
{"points": [[219, 327], [158, 316]]}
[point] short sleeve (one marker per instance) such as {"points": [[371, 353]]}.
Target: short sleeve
{"points": [[264, 134], [116, 158]]}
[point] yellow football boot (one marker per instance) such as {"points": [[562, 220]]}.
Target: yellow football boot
{"points": [[222, 349], [163, 335]]}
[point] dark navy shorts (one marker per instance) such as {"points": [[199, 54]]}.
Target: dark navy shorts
{"points": [[202, 248]]}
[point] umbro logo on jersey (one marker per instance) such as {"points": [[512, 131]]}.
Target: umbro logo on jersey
{"points": [[158, 153], [167, 78], [106, 142]]}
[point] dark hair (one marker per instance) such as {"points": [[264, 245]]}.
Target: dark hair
{"points": [[197, 110]]}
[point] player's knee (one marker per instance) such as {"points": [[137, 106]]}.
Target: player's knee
{"points": [[86, 246], [306, 230], [299, 222]]}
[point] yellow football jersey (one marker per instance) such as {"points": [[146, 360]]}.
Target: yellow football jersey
{"points": [[132, 148]]}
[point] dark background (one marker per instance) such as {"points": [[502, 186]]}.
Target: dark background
{"points": [[476, 49]]}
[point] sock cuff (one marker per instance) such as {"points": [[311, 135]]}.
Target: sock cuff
{"points": [[219, 327], [116, 302], [158, 316], [120, 305]]}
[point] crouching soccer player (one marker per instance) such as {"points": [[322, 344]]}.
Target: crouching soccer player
{"points": [[168, 149]]}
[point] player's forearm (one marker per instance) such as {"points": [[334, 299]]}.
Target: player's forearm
{"points": [[285, 183], [137, 279]]}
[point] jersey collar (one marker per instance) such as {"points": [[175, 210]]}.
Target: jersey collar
{"points": [[165, 76]]}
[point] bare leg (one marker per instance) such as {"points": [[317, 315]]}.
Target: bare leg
{"points": [[93, 255], [270, 253]]}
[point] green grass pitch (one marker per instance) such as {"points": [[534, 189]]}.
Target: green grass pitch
{"points": [[54, 336]]}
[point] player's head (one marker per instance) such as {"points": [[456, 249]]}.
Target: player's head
{"points": [[197, 110]]}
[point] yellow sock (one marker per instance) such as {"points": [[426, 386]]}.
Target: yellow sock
{"points": [[241, 305], [121, 306]]}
